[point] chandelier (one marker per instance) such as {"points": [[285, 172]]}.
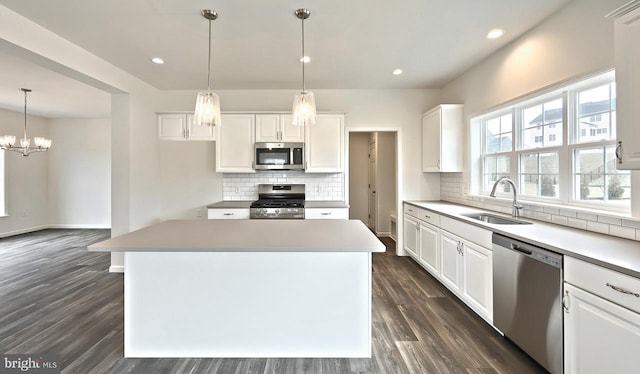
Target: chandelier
{"points": [[40, 144], [208, 103], [304, 103]]}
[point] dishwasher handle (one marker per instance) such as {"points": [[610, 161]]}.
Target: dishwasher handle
{"points": [[518, 248], [534, 252]]}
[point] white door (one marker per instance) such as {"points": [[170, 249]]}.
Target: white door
{"points": [[431, 141], [171, 126], [477, 273], [235, 146], [429, 248], [372, 185], [267, 128], [450, 273], [411, 232], [599, 336], [289, 132], [324, 144], [200, 132]]}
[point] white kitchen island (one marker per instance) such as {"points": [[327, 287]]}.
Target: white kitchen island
{"points": [[247, 288]]}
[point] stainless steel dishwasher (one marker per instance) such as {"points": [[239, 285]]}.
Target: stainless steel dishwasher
{"points": [[527, 299]]}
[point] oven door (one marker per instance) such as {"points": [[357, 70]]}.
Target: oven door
{"points": [[272, 156]]}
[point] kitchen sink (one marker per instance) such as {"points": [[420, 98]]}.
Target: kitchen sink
{"points": [[498, 220]]}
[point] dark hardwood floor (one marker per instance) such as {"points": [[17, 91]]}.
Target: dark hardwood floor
{"points": [[55, 297]]}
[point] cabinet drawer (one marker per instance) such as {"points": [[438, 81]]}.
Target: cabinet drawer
{"points": [[601, 281], [326, 213], [422, 214], [228, 213]]}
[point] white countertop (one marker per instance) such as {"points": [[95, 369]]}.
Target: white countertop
{"points": [[618, 254], [246, 236]]}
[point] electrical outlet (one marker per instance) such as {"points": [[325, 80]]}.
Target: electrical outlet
{"points": [[198, 213]]}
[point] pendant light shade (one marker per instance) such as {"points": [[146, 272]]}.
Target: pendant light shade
{"points": [[304, 103], [207, 111]]}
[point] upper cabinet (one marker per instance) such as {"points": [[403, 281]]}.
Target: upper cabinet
{"points": [[442, 139], [324, 144], [277, 128], [627, 60], [179, 126], [235, 146]]}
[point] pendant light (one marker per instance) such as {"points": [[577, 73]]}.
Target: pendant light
{"points": [[304, 103], [40, 144], [208, 103]]}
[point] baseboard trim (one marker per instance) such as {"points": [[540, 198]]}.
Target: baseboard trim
{"points": [[74, 226], [385, 234], [23, 231], [116, 269]]}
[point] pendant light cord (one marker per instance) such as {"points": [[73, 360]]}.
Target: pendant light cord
{"points": [[302, 59], [25, 114], [209, 62]]}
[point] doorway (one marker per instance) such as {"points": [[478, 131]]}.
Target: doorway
{"points": [[372, 179]]}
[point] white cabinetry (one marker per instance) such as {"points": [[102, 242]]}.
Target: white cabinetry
{"points": [[326, 213], [235, 146], [179, 126], [442, 136], [429, 255], [229, 213], [277, 128], [451, 264], [324, 144], [411, 235], [601, 321], [627, 62]]}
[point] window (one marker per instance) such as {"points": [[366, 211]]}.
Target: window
{"points": [[558, 147]]}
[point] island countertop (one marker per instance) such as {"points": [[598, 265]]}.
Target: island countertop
{"points": [[246, 236]]}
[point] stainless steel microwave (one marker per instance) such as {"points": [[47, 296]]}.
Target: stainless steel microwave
{"points": [[279, 156]]}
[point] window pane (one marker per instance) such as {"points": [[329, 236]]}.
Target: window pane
{"points": [[493, 126], [590, 161], [595, 100], [490, 165], [549, 185], [505, 142], [506, 123], [553, 111], [503, 165], [549, 163], [542, 125], [595, 127], [529, 184], [590, 187], [532, 138], [529, 163], [618, 187], [532, 116]]}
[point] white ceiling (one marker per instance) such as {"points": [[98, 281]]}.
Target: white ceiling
{"points": [[256, 43]]}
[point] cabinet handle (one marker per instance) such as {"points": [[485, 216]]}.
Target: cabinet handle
{"points": [[565, 302], [619, 152], [458, 247], [427, 217], [325, 214], [622, 290], [410, 210], [461, 248], [228, 214]]}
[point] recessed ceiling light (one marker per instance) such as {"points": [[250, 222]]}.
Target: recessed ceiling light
{"points": [[305, 59], [495, 34], [397, 72], [157, 60]]}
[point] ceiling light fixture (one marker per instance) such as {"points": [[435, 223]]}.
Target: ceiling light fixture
{"points": [[157, 60], [208, 103], [304, 103], [305, 59], [495, 34], [397, 72], [41, 144]]}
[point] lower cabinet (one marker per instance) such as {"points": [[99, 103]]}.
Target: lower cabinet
{"points": [[601, 320], [462, 265], [231, 213], [326, 213]]}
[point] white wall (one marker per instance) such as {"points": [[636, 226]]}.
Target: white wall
{"points": [[25, 177], [79, 185], [575, 42], [386, 181], [359, 176]]}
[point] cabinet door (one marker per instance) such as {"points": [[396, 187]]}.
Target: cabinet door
{"points": [[477, 274], [411, 231], [233, 213], [199, 132], [172, 126], [235, 146], [326, 213], [450, 272], [289, 132], [627, 50], [431, 141], [429, 248], [267, 128], [599, 336], [324, 146]]}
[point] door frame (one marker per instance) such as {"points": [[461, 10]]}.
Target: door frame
{"points": [[399, 175]]}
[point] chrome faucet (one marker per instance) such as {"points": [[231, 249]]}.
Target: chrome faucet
{"points": [[515, 213]]}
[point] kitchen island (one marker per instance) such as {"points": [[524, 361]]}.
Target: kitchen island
{"points": [[247, 288]]}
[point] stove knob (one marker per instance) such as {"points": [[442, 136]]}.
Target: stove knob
{"points": [[263, 211], [277, 211]]}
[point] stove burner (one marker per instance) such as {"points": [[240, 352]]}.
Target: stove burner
{"points": [[266, 203], [278, 201]]}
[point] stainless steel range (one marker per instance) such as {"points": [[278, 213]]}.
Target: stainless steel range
{"points": [[280, 201]]}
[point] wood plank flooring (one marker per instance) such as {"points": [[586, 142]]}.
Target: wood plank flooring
{"points": [[55, 297]]}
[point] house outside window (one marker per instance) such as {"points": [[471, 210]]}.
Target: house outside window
{"points": [[561, 147]]}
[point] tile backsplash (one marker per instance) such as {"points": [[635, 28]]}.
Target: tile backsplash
{"points": [[318, 186], [454, 187]]}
